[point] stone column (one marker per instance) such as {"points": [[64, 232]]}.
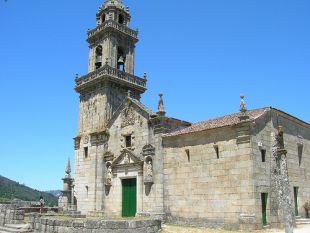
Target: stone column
{"points": [[140, 192], [280, 182]]}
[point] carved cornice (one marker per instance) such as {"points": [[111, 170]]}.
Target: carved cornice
{"points": [[108, 73], [111, 25], [98, 138]]}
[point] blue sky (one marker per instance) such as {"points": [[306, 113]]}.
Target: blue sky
{"points": [[202, 54]]}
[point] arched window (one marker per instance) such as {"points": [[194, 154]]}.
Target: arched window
{"points": [[103, 18], [120, 59], [121, 19], [98, 59]]}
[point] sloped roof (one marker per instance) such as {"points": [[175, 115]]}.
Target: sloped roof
{"points": [[228, 120], [142, 106]]}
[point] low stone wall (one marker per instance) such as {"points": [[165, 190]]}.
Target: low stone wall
{"points": [[37, 209], [70, 225], [201, 222], [10, 214]]}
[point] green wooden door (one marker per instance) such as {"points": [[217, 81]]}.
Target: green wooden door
{"points": [[129, 198], [264, 208], [296, 200]]}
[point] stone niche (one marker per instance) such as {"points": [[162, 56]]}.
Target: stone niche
{"points": [[148, 153]]}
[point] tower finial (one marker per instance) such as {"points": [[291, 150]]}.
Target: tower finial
{"points": [[161, 107], [243, 110], [68, 168], [242, 104]]}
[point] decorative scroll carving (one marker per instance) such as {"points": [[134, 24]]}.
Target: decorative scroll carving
{"points": [[148, 150], [108, 156], [128, 116]]}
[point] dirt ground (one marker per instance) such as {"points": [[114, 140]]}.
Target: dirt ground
{"points": [[179, 229]]}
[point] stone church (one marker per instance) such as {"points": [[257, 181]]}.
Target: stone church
{"points": [[131, 161]]}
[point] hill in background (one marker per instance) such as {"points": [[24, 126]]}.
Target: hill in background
{"points": [[56, 193], [10, 190]]}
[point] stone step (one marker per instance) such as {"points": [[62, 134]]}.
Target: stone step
{"points": [[17, 228], [301, 221]]}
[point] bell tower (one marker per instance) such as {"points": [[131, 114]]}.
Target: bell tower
{"points": [[110, 67], [112, 42], [109, 80]]}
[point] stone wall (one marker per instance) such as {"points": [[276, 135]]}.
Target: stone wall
{"points": [[52, 225], [295, 132], [9, 214], [226, 191], [261, 140], [203, 188]]}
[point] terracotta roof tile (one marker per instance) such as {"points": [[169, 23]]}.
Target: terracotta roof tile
{"points": [[219, 122]]}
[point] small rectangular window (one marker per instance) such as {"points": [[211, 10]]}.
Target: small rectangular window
{"points": [[128, 141], [86, 187], [216, 148], [300, 148], [188, 155], [85, 152], [263, 154]]}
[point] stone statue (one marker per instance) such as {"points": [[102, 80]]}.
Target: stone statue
{"points": [[242, 105], [126, 159], [149, 169], [109, 175]]}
